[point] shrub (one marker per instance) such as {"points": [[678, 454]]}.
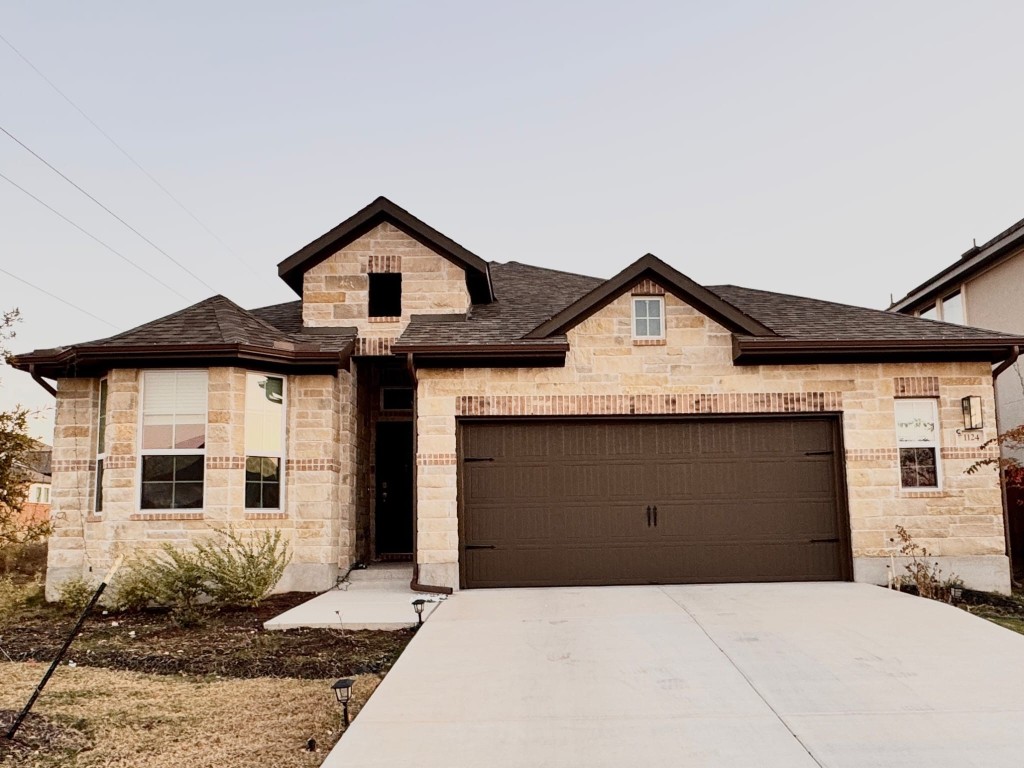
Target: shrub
{"points": [[177, 580], [242, 571], [14, 596], [75, 593], [927, 578], [133, 588]]}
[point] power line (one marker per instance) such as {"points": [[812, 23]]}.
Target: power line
{"points": [[58, 298], [88, 234], [124, 152], [43, 160]]}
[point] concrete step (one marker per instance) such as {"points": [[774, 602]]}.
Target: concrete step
{"points": [[382, 572]]}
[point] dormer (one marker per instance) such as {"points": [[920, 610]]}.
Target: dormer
{"points": [[379, 267]]}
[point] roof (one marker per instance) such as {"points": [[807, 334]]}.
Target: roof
{"points": [[215, 330], [381, 210], [973, 262], [37, 463]]}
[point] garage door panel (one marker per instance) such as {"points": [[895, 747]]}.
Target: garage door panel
{"points": [[565, 502]]}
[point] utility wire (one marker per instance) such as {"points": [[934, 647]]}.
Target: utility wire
{"points": [[88, 234], [58, 298], [124, 152], [43, 160]]}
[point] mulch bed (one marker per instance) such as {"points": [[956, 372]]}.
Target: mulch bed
{"points": [[227, 643]]}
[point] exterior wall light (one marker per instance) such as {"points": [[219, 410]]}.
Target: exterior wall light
{"points": [[971, 406], [343, 692], [418, 605]]}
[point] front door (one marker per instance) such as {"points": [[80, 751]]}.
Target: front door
{"points": [[394, 488]]}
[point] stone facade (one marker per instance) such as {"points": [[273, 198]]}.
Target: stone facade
{"points": [[693, 373]]}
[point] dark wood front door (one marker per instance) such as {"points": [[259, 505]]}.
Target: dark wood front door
{"points": [[394, 487], [548, 503]]}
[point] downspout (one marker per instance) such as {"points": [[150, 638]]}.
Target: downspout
{"points": [[415, 585], [39, 380], [1003, 366]]}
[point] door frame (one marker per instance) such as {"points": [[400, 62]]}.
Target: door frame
{"points": [[835, 418]]}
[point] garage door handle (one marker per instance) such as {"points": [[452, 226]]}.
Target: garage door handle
{"points": [[824, 541], [648, 516], [481, 546], [468, 459], [655, 510], [818, 453]]}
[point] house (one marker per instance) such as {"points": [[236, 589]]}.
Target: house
{"points": [[501, 424], [35, 468], [984, 288]]}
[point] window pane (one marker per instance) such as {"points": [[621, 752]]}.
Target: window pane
{"points": [[917, 468], [157, 495], [252, 496], [915, 422], [654, 308], [157, 433], [157, 468], [101, 439], [953, 309], [188, 496], [189, 435], [640, 328], [99, 486], [270, 470], [253, 468], [264, 409], [188, 468], [930, 313], [271, 496], [174, 398]]}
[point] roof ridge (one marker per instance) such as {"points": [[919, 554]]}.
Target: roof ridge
{"points": [[543, 269]]}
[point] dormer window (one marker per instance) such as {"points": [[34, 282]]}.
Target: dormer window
{"points": [[648, 317], [385, 294]]}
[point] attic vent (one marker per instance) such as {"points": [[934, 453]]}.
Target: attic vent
{"points": [[385, 294]]}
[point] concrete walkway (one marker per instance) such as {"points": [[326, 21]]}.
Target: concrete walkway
{"points": [[377, 597], [794, 675]]}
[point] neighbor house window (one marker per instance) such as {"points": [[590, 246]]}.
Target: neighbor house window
{"points": [[953, 308], [40, 494], [173, 445], [101, 444], [930, 313], [385, 294], [648, 317], [917, 436], [264, 440]]}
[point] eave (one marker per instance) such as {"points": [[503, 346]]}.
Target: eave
{"points": [[86, 361], [764, 351]]}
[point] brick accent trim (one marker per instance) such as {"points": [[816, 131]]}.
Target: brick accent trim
{"points": [[621, 405], [91, 517], [916, 386], [225, 462], [384, 262], [166, 516], [435, 459], [872, 454], [650, 342], [908, 493], [396, 319], [126, 461], [74, 465], [647, 287], [255, 515], [373, 346], [969, 453], [311, 465]]}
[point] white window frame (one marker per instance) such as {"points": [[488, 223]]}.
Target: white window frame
{"points": [[934, 443], [169, 451], [101, 436], [284, 442], [633, 317]]}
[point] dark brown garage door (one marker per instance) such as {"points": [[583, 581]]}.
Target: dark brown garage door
{"points": [[547, 503]]}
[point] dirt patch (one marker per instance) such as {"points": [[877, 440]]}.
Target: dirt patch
{"points": [[229, 643], [38, 739]]}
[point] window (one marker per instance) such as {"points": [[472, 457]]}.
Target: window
{"points": [[396, 398], [40, 494], [264, 440], [101, 445], [648, 312], [385, 294], [953, 308], [917, 436], [930, 313], [173, 445]]}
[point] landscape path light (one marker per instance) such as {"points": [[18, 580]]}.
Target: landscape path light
{"points": [[343, 692], [418, 605]]}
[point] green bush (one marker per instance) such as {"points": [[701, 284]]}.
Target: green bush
{"points": [[178, 581], [75, 593], [132, 589], [15, 596], [242, 571]]}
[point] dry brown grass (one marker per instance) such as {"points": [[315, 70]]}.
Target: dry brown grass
{"points": [[150, 721]]}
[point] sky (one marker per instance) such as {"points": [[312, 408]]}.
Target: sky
{"points": [[844, 151]]}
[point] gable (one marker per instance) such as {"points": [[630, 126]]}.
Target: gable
{"points": [[652, 271]]}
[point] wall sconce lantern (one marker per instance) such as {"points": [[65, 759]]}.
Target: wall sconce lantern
{"points": [[972, 412], [343, 692]]}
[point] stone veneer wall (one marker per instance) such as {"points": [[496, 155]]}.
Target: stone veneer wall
{"points": [[692, 373], [318, 519], [335, 291]]}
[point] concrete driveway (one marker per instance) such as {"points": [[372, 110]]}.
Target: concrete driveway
{"points": [[729, 675]]}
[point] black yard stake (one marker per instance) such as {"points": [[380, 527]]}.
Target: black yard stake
{"points": [[64, 648]]}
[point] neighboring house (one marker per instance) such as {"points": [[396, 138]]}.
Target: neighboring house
{"points": [[37, 472], [985, 288], [506, 424]]}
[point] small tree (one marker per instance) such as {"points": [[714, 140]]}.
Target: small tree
{"points": [[15, 445], [1011, 467]]}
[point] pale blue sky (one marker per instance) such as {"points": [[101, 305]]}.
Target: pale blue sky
{"points": [[839, 150]]}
